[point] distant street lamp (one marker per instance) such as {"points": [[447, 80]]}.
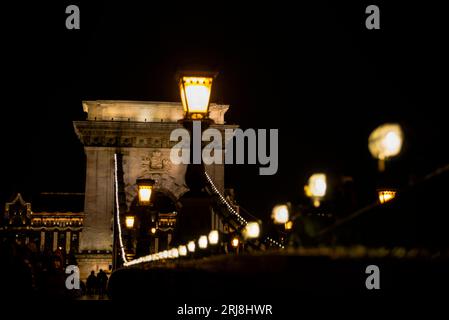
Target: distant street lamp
{"points": [[202, 242], [213, 237], [145, 189], [235, 242], [316, 188], [174, 253], [288, 225], [385, 142], [182, 249], [252, 230], [386, 195], [191, 246], [129, 221], [280, 214]]}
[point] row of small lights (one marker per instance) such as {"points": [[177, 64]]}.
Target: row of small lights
{"points": [[239, 217], [119, 228], [252, 231]]}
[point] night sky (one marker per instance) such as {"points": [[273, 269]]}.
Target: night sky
{"points": [[311, 70]]}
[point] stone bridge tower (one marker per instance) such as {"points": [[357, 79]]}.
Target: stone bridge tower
{"points": [[141, 132]]}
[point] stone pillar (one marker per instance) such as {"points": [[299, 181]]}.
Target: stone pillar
{"points": [[99, 200], [168, 240], [55, 240], [68, 241], [42, 242]]}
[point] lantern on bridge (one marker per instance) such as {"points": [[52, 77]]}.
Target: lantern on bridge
{"points": [[195, 89], [145, 188]]}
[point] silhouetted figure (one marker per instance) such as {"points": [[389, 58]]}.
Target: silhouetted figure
{"points": [[102, 279], [91, 283], [52, 281]]}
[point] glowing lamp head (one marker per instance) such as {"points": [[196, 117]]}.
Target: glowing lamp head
{"points": [[195, 89], [317, 185], [252, 230], [289, 225], [153, 230], [174, 253], [182, 249], [145, 188], [386, 141], [129, 221], [213, 237], [235, 242], [191, 246], [386, 195], [280, 214], [202, 242]]}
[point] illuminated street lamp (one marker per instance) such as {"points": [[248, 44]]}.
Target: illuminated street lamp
{"points": [[202, 242], [385, 142], [191, 246], [174, 253], [195, 89], [280, 214], [316, 188], [213, 237], [145, 188], [288, 225], [182, 249], [129, 221], [252, 230], [386, 195], [235, 242], [153, 230]]}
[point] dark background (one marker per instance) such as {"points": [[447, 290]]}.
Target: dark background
{"points": [[310, 69]]}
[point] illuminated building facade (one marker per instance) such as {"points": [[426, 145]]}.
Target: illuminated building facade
{"points": [[43, 231]]}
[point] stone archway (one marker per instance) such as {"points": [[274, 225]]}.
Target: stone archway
{"points": [[140, 131]]}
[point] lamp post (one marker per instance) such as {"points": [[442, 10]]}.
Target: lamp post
{"points": [[385, 142], [147, 217], [195, 91], [316, 188]]}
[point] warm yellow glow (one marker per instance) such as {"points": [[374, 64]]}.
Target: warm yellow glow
{"points": [[202, 242], [252, 230], [386, 141], [288, 225], [164, 254], [191, 246], [280, 214], [182, 249], [213, 237], [153, 230], [145, 194], [174, 253], [317, 185], [235, 242], [386, 195], [195, 95], [129, 221]]}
